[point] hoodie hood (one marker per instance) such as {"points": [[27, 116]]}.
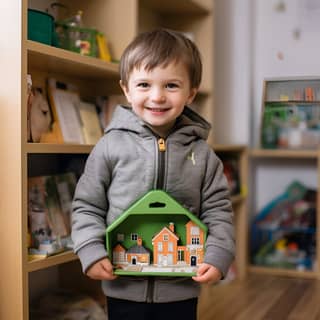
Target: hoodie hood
{"points": [[189, 124]]}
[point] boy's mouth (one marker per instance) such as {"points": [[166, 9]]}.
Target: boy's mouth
{"points": [[157, 109]]}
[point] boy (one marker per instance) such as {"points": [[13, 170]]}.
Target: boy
{"points": [[157, 143]]}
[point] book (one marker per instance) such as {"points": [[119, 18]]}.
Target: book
{"points": [[91, 128], [103, 48], [49, 209], [64, 105], [107, 105]]}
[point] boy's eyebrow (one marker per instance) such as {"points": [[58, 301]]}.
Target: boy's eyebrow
{"points": [[165, 80], [140, 80]]}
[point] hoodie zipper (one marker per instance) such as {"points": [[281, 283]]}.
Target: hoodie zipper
{"points": [[161, 144], [161, 163]]}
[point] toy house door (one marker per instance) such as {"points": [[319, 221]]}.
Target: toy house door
{"points": [[193, 261]]}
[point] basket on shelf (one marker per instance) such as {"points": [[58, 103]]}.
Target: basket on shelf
{"points": [[77, 39]]}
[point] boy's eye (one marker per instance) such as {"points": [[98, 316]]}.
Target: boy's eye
{"points": [[172, 85], [143, 85]]}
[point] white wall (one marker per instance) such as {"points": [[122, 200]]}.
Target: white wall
{"points": [[278, 52], [253, 41], [233, 55]]}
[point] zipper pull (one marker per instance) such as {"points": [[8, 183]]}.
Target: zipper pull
{"points": [[161, 145]]}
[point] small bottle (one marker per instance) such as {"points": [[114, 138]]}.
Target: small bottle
{"points": [[76, 20]]}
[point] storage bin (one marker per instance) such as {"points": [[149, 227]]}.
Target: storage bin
{"points": [[40, 26], [77, 39]]}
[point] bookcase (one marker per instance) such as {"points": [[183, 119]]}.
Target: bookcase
{"points": [[120, 21], [238, 154], [288, 153]]}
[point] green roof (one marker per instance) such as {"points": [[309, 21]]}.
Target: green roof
{"points": [[156, 202]]}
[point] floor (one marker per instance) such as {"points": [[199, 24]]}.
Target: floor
{"points": [[261, 297]]}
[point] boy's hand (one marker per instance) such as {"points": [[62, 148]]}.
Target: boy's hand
{"points": [[101, 270], [207, 274]]}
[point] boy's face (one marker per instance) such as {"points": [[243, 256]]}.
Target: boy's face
{"points": [[158, 96]]}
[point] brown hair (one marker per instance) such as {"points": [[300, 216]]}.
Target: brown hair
{"points": [[159, 48]]}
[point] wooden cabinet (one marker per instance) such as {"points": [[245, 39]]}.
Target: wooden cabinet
{"points": [[238, 154], [277, 169], [120, 21], [288, 154]]}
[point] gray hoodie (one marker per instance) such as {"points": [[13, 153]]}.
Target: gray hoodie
{"points": [[124, 165]]}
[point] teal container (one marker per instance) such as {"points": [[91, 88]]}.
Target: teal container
{"points": [[40, 26]]}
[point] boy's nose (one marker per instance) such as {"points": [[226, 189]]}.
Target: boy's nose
{"points": [[158, 95]]}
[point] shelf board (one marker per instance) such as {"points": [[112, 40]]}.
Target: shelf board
{"points": [[283, 272], [58, 148], [177, 7], [56, 60], [228, 147], [51, 261], [277, 153], [292, 102], [237, 198]]}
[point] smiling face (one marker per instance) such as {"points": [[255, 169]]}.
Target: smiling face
{"points": [[158, 96]]}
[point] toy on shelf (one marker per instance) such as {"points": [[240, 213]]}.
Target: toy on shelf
{"points": [[283, 233], [291, 114], [156, 236]]}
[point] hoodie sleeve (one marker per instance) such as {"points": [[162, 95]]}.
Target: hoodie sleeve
{"points": [[217, 215], [90, 207]]}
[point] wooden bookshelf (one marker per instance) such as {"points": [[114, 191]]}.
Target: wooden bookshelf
{"points": [[93, 77], [239, 204], [283, 100]]}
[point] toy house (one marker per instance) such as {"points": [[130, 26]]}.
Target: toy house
{"points": [[156, 236]]}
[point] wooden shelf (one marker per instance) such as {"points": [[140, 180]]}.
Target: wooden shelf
{"points": [[228, 148], [93, 77], [58, 148], [292, 102], [51, 59], [283, 272], [51, 261], [273, 153], [237, 198], [178, 7]]}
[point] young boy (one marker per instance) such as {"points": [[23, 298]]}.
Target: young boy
{"points": [[157, 143]]}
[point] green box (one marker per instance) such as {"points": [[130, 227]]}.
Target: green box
{"points": [[153, 219], [77, 39], [40, 26]]}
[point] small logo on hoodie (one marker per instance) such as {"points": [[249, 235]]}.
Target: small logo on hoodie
{"points": [[191, 157]]}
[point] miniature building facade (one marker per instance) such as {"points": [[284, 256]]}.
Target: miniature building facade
{"points": [[166, 251], [165, 247]]}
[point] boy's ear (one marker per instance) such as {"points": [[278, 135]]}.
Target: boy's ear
{"points": [[125, 91], [192, 95]]}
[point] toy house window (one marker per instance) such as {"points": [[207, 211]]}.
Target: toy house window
{"points": [[195, 241], [170, 246], [134, 236], [160, 246], [180, 255], [195, 231], [120, 237], [165, 237]]}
